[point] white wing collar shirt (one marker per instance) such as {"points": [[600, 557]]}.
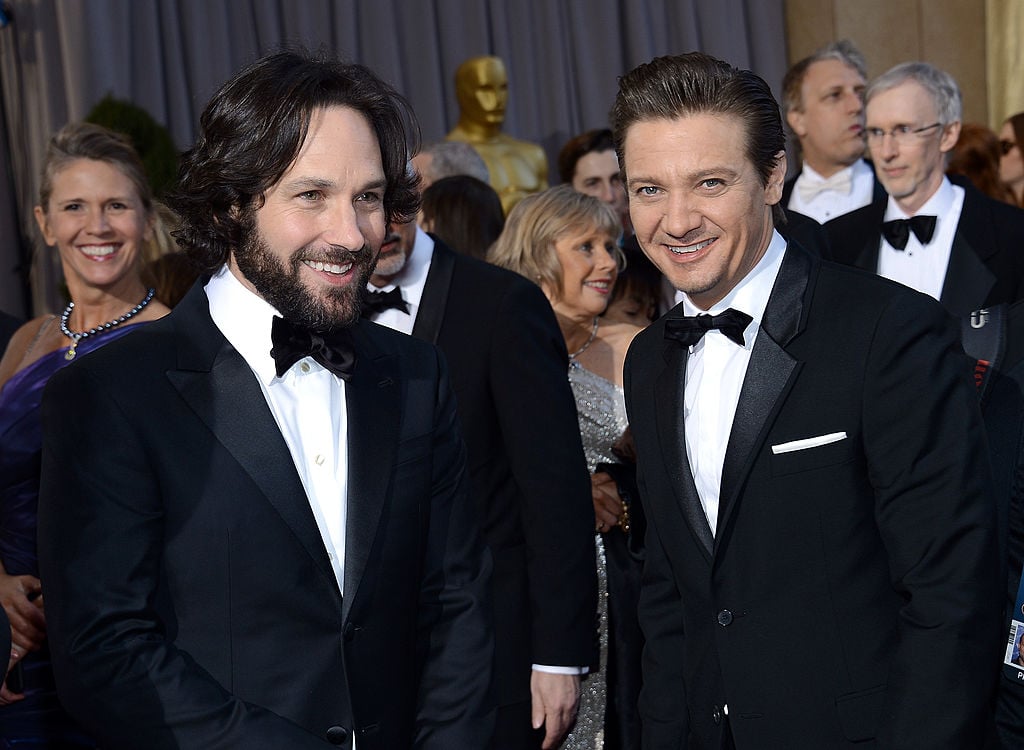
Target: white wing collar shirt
{"points": [[923, 267], [715, 369], [411, 280], [824, 199], [308, 404]]}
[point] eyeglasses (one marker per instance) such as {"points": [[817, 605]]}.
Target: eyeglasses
{"points": [[1006, 147], [902, 134]]}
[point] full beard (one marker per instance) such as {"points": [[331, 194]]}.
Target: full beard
{"points": [[319, 310]]}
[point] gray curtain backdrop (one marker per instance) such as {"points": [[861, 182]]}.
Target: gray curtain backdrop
{"points": [[59, 57]]}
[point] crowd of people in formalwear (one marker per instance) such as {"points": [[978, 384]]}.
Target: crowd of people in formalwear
{"points": [[699, 449]]}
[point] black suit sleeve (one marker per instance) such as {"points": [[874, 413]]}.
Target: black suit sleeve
{"points": [[455, 705], [936, 515], [101, 533], [537, 412]]}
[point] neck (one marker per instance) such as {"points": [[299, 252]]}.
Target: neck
{"points": [[576, 330], [477, 132], [825, 168], [94, 307]]}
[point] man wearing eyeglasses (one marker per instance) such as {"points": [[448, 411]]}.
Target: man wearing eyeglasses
{"points": [[944, 239]]}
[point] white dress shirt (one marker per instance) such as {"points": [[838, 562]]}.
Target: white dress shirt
{"points": [[411, 279], [923, 267], [715, 370], [828, 204], [308, 404]]}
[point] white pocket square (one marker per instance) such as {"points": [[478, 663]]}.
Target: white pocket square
{"points": [[812, 442]]}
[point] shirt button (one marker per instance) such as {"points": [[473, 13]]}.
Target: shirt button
{"points": [[304, 367], [725, 618], [319, 459]]}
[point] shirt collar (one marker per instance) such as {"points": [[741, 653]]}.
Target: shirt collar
{"points": [[812, 176], [752, 293], [245, 319]]}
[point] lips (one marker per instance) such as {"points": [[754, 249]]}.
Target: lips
{"points": [[338, 269], [98, 252], [602, 286], [690, 249]]}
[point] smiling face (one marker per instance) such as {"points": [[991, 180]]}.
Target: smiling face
{"points": [[311, 246], [587, 259], [830, 124], [697, 203], [597, 174], [97, 222], [910, 171]]}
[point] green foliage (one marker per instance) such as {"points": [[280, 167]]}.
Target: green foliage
{"points": [[151, 139]]}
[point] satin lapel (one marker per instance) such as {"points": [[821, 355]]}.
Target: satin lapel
{"points": [[223, 392], [669, 395], [435, 293], [770, 374], [969, 281], [374, 415]]}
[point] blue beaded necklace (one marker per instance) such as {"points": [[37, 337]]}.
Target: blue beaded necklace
{"points": [[76, 337]]}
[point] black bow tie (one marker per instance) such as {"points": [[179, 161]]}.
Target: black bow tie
{"points": [[897, 232], [688, 330], [332, 349], [378, 302]]}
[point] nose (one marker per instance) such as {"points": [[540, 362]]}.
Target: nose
{"points": [[856, 103], [681, 216], [606, 262], [348, 227], [887, 148], [606, 194], [98, 222]]}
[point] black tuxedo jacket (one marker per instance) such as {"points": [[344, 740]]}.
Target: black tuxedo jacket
{"points": [[528, 474], [986, 265], [190, 600], [850, 591]]}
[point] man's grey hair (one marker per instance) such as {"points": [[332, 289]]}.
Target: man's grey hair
{"points": [[792, 84], [939, 84], [451, 158]]}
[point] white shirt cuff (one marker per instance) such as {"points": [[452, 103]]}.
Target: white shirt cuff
{"points": [[560, 670]]}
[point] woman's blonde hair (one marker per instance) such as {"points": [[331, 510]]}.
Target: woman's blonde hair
{"points": [[527, 244]]}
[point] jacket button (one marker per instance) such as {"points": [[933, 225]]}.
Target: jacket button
{"points": [[716, 715], [338, 735], [725, 618], [349, 632]]}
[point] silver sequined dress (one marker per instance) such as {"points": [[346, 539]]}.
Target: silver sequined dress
{"points": [[601, 406]]}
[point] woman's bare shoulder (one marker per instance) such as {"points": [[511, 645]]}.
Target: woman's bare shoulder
{"points": [[31, 341]]}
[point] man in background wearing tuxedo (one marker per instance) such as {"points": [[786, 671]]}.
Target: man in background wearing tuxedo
{"points": [[946, 240], [528, 474]]}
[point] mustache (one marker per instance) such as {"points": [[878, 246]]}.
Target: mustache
{"points": [[333, 254]]}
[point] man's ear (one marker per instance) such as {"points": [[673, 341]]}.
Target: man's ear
{"points": [[950, 135], [796, 118], [776, 179]]}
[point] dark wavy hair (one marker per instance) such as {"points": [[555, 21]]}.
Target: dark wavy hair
{"points": [[576, 148], [252, 130], [676, 86], [465, 213]]}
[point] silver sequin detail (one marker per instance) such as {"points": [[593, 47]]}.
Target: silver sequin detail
{"points": [[602, 413]]}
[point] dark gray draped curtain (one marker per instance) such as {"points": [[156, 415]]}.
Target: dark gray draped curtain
{"points": [[59, 57]]}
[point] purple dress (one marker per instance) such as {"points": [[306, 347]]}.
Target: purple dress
{"points": [[38, 721]]}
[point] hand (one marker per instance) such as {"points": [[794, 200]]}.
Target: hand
{"points": [[7, 696], [20, 596], [556, 698], [607, 503]]}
